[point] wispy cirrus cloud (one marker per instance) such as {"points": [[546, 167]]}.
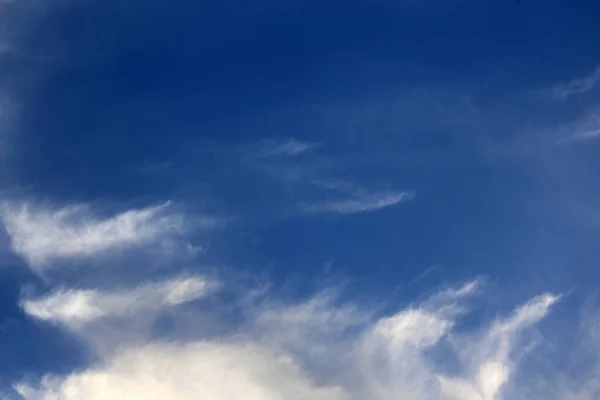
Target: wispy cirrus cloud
{"points": [[290, 147], [361, 203], [75, 308], [588, 128], [563, 91], [271, 147], [317, 350], [492, 361], [585, 128], [41, 235], [316, 175]]}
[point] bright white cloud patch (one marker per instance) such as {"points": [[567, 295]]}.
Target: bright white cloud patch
{"points": [[41, 235], [75, 308], [203, 370], [361, 203], [312, 350]]}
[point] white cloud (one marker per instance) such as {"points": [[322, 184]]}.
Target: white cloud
{"points": [[490, 360], [41, 235], [76, 308], [577, 86], [467, 289], [314, 350], [361, 203], [202, 370]]}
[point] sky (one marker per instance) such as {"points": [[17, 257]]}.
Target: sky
{"points": [[301, 199]]}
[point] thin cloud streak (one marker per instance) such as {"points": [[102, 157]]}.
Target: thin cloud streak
{"points": [[279, 147], [292, 147], [211, 370], [589, 129], [41, 235], [586, 128], [361, 203], [564, 91]]}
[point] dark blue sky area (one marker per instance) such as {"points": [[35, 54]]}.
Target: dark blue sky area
{"points": [[128, 86], [125, 89]]}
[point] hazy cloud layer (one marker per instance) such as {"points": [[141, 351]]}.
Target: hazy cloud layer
{"points": [[159, 335], [341, 195], [586, 127], [564, 91]]}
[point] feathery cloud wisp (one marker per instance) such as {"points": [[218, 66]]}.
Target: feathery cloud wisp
{"points": [[577, 86], [292, 147], [362, 203], [585, 128], [75, 308], [288, 147], [41, 235]]}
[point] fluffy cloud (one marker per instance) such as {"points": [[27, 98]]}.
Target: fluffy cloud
{"points": [[206, 370], [312, 350], [41, 235], [588, 128]]}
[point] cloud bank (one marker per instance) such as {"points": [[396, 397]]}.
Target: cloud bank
{"points": [[589, 128], [317, 349], [320, 348]]}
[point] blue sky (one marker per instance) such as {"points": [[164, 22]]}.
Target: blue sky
{"points": [[299, 200]]}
